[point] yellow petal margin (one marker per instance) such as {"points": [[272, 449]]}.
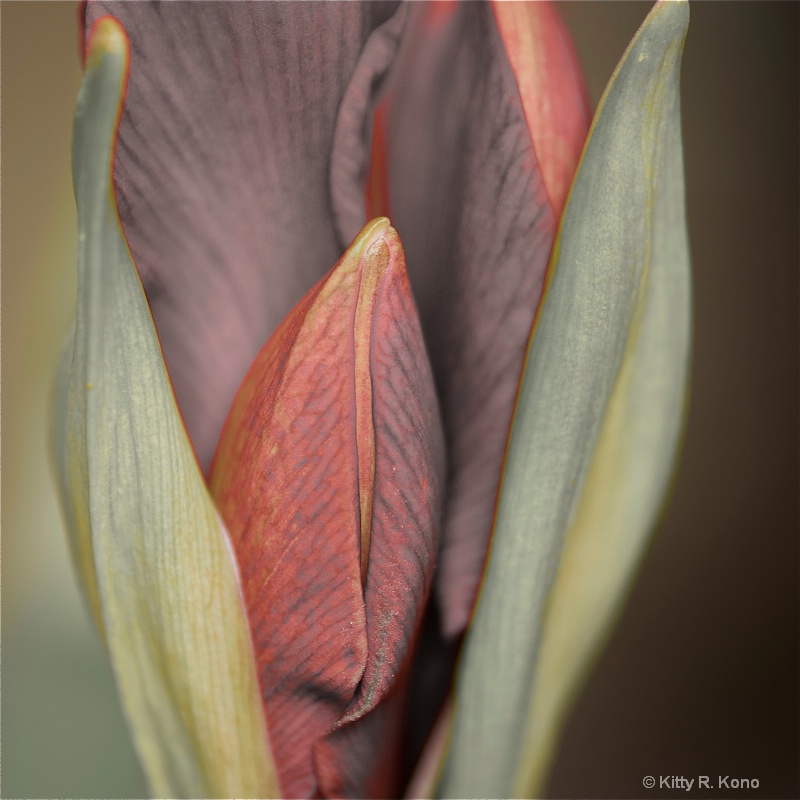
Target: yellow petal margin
{"points": [[595, 430], [151, 551]]}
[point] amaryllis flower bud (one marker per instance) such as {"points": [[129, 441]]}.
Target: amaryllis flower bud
{"points": [[294, 491]]}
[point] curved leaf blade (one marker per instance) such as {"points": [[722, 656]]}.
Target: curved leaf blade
{"points": [[166, 582], [595, 431]]}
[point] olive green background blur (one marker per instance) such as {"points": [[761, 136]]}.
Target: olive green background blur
{"points": [[701, 677]]}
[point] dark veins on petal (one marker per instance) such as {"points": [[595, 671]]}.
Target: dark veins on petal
{"points": [[222, 174], [467, 198], [409, 466], [285, 479], [332, 654]]}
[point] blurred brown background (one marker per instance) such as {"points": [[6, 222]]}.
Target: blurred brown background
{"points": [[701, 677]]}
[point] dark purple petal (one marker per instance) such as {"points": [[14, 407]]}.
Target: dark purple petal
{"points": [[222, 175], [467, 197], [350, 160]]}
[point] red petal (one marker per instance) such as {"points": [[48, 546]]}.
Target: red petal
{"points": [[328, 469]]}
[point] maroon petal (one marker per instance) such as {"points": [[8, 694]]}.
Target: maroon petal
{"points": [[467, 196], [222, 174], [328, 476]]}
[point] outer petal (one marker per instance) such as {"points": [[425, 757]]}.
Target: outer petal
{"points": [[595, 428], [166, 584], [222, 174], [466, 191], [328, 474]]}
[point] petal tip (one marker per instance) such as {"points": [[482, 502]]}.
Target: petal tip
{"points": [[374, 229], [381, 248]]}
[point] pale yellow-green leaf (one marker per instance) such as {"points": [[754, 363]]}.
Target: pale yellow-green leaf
{"points": [[595, 430], [69, 435], [152, 553]]}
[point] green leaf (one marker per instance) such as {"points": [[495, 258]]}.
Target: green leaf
{"points": [[595, 431], [153, 556]]}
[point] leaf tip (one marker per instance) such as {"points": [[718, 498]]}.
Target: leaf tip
{"points": [[674, 13], [108, 37]]}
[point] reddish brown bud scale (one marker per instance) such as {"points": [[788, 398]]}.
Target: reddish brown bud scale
{"points": [[409, 472], [374, 264], [303, 482], [285, 479]]}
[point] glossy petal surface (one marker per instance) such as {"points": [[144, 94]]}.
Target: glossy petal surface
{"points": [[154, 554], [222, 175], [466, 192], [329, 474], [595, 428]]}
